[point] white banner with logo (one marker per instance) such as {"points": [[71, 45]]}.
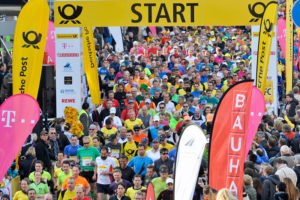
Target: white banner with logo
{"points": [[69, 70], [271, 94], [117, 35], [188, 161]]}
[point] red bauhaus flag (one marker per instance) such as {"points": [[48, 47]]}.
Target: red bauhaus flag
{"points": [[228, 139], [150, 192]]}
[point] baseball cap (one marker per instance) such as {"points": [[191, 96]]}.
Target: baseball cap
{"points": [[93, 126], [180, 81], [166, 128], [227, 55], [162, 137], [112, 110], [144, 140], [156, 118], [136, 127], [164, 170], [130, 101], [169, 180], [147, 101], [165, 76], [144, 86]]}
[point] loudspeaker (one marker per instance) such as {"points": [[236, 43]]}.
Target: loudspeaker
{"points": [[47, 92]]}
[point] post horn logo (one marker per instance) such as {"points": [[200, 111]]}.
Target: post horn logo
{"points": [[257, 10], [268, 26], [72, 17], [37, 39]]}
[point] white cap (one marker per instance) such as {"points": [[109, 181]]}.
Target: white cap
{"points": [[112, 110], [180, 81], [156, 118], [165, 76], [169, 180], [147, 101]]}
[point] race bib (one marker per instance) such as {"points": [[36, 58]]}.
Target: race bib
{"points": [[86, 161], [101, 169], [115, 153], [111, 83]]}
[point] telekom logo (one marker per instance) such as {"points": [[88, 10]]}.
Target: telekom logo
{"points": [[9, 117]]}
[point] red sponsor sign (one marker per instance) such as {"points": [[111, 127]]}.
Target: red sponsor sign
{"points": [[68, 100], [228, 139]]}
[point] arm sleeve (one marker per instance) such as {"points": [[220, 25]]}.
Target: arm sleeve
{"points": [[130, 164]]}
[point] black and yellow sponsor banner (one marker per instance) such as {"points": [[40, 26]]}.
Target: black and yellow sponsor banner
{"points": [[158, 12], [90, 64], [264, 46], [29, 47], [289, 54]]}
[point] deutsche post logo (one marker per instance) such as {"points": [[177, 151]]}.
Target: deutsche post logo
{"points": [[257, 10], [37, 39], [76, 12], [268, 27]]}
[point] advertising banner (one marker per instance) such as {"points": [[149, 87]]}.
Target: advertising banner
{"points": [[271, 90], [50, 44], [188, 160], [228, 140], [257, 110], [289, 55], [158, 12], [29, 47], [90, 64], [69, 69], [19, 114], [264, 46]]}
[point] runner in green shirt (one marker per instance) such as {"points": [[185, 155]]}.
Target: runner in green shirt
{"points": [[40, 187], [64, 174], [87, 155]]}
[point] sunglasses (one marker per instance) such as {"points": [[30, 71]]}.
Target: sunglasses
{"points": [[164, 153], [161, 107]]}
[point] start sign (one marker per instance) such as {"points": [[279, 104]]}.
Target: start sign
{"points": [[158, 12]]}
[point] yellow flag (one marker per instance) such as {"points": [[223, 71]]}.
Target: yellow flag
{"points": [[264, 46], [29, 47], [90, 64], [289, 47]]}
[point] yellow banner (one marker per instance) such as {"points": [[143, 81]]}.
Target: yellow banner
{"points": [[90, 64], [29, 47], [264, 46], [158, 12], [289, 47]]}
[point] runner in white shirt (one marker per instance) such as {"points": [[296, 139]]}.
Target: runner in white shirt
{"points": [[154, 152], [104, 168]]}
